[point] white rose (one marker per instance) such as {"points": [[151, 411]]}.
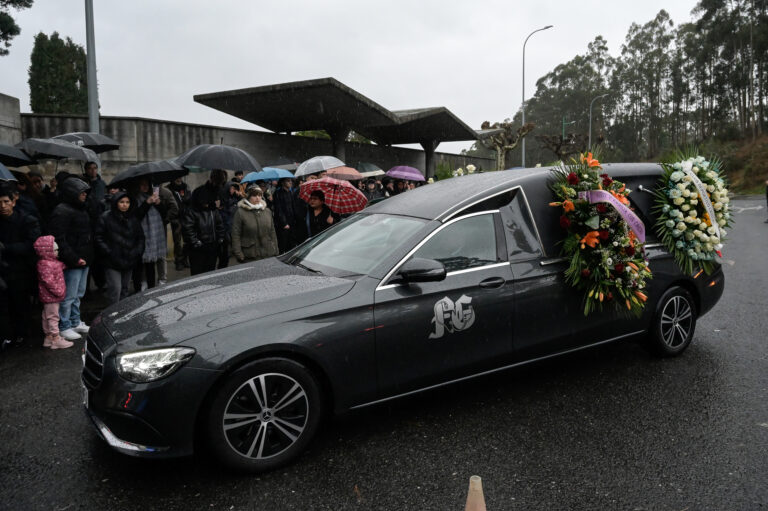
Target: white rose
{"points": [[697, 233], [717, 206], [687, 178], [678, 201], [721, 222], [694, 195], [703, 226], [694, 202], [694, 213], [711, 175], [685, 207], [687, 165], [470, 168], [708, 247], [704, 238], [711, 229], [681, 186], [725, 200], [710, 188], [688, 236], [686, 193], [681, 226]]}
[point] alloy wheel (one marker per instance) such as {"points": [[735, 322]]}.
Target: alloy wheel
{"points": [[265, 416], [676, 321]]}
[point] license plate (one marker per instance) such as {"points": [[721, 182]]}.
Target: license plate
{"points": [[85, 394]]}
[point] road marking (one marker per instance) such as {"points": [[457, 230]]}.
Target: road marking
{"points": [[741, 209]]}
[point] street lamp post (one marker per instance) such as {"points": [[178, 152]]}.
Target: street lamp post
{"points": [[522, 148], [93, 90], [590, 118], [564, 125]]}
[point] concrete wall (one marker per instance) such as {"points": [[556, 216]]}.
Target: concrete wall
{"points": [[10, 120], [151, 139]]}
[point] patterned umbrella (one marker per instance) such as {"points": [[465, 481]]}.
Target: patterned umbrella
{"points": [[405, 172], [344, 173], [340, 196]]}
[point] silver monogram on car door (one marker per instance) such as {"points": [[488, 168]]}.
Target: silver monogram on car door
{"points": [[452, 316]]}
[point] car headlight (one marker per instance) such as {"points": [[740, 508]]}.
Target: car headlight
{"points": [[151, 365]]}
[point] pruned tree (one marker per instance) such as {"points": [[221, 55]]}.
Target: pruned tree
{"points": [[572, 144], [505, 140], [57, 76], [8, 27]]}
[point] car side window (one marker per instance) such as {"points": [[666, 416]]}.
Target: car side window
{"points": [[466, 243], [522, 242]]}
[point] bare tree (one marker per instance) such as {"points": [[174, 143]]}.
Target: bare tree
{"points": [[506, 140]]}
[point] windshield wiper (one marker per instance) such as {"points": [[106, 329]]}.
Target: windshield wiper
{"points": [[307, 268]]}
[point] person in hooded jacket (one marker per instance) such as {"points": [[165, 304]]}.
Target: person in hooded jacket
{"points": [[203, 232], [120, 243], [70, 224], [52, 290], [253, 229]]}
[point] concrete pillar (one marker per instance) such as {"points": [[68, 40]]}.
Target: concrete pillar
{"points": [[339, 138], [429, 157]]}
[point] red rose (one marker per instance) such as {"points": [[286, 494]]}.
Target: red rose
{"points": [[573, 179], [619, 268], [609, 296], [630, 251], [604, 235], [601, 208], [564, 222], [606, 180], [585, 272]]}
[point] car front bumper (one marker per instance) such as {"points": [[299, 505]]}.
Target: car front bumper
{"points": [[155, 419]]}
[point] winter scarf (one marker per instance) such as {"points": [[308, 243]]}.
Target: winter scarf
{"points": [[154, 235]]}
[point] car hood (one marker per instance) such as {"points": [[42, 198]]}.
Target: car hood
{"points": [[199, 305]]}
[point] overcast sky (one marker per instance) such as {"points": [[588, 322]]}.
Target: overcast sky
{"points": [[154, 55]]}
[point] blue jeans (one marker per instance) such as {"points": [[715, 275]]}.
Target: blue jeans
{"points": [[76, 280]]}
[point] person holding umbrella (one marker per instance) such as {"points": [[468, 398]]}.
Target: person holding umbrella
{"points": [[149, 213], [319, 216]]}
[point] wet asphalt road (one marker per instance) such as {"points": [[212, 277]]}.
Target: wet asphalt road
{"points": [[609, 428]]}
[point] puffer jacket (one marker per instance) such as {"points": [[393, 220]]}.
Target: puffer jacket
{"points": [[50, 271], [119, 236], [253, 232], [71, 224]]}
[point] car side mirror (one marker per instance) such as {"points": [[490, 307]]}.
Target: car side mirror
{"points": [[421, 270]]}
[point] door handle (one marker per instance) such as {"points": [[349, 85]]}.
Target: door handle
{"points": [[492, 283]]}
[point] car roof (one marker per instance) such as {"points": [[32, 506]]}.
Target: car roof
{"points": [[445, 199]]}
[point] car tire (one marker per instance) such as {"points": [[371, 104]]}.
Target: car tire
{"points": [[673, 324], [264, 415]]}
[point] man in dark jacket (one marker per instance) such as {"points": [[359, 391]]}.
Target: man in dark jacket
{"points": [[290, 216], [71, 226], [120, 243], [17, 268], [203, 232], [230, 196], [95, 206]]}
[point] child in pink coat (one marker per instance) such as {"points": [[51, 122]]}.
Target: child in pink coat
{"points": [[50, 272]]}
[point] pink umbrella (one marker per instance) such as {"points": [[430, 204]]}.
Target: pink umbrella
{"points": [[405, 172], [345, 173]]}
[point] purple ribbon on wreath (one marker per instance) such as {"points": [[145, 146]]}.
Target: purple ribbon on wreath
{"points": [[627, 214]]}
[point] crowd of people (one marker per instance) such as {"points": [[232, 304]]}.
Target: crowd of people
{"points": [[55, 238]]}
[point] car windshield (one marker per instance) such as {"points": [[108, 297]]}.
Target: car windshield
{"points": [[356, 245]]}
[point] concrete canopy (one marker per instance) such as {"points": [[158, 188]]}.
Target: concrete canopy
{"points": [[327, 104]]}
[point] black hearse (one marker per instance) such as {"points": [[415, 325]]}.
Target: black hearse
{"points": [[443, 283]]}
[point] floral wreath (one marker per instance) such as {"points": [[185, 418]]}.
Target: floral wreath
{"points": [[692, 209], [606, 254]]}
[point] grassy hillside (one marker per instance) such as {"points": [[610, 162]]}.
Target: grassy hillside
{"points": [[745, 162]]}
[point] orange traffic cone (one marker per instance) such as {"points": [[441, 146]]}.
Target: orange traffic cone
{"points": [[475, 499]]}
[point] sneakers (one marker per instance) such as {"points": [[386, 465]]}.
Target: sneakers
{"points": [[58, 343], [69, 334], [82, 328], [47, 342]]}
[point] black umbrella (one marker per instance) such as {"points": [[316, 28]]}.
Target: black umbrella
{"points": [[5, 174], [215, 156], [159, 171], [41, 148], [13, 157], [96, 142]]}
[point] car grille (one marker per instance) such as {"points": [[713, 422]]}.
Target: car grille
{"points": [[93, 365]]}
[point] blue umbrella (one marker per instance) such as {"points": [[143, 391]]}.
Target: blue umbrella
{"points": [[267, 174], [5, 174]]}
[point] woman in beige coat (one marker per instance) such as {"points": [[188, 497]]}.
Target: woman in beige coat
{"points": [[253, 230]]}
